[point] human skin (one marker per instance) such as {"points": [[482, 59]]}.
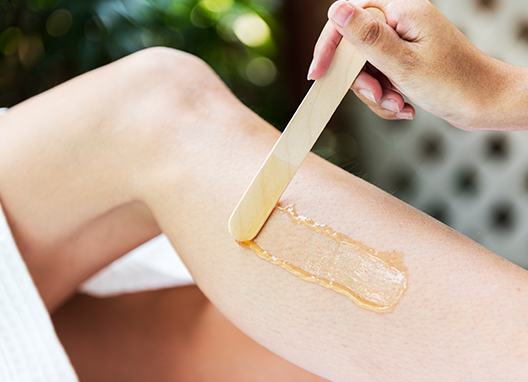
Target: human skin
{"points": [[166, 335], [156, 142], [420, 54]]}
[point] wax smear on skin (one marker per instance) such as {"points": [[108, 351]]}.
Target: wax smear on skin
{"points": [[316, 253]]}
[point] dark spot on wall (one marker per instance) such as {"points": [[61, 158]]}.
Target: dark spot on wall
{"points": [[432, 148], [466, 182], [487, 4], [497, 147], [402, 184], [502, 217], [522, 31]]}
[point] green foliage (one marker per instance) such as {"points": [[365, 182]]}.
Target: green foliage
{"points": [[45, 42]]}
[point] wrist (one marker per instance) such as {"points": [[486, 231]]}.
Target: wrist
{"points": [[505, 95], [514, 102]]}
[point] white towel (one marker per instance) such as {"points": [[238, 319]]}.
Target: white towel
{"points": [[29, 348], [154, 265]]}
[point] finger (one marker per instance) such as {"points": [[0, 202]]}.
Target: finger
{"points": [[390, 106], [407, 113], [376, 40], [382, 78], [391, 101], [324, 51], [373, 94], [368, 86]]}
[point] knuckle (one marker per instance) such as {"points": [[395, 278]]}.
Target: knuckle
{"points": [[369, 32]]}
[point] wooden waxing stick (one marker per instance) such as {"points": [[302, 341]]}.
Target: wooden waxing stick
{"points": [[296, 141]]}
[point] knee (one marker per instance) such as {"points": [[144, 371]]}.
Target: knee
{"points": [[162, 94], [166, 63], [169, 74]]}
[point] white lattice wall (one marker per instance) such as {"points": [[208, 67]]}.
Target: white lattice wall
{"points": [[475, 182]]}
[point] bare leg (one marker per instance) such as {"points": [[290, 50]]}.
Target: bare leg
{"points": [[176, 148], [167, 335]]}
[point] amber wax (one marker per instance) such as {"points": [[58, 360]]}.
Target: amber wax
{"points": [[316, 253]]}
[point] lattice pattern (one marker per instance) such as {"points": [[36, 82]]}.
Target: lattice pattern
{"points": [[475, 182]]}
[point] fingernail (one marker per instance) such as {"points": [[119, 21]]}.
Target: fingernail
{"points": [[404, 115], [367, 94], [341, 13], [310, 70], [390, 105]]}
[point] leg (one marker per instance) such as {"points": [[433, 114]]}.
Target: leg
{"points": [[185, 157], [167, 335], [61, 146]]}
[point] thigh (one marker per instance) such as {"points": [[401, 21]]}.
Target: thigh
{"points": [[63, 157], [73, 157]]}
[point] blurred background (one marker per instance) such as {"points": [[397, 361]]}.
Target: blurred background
{"points": [[475, 182], [45, 42]]}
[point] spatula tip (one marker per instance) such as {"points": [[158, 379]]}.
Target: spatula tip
{"points": [[238, 231]]}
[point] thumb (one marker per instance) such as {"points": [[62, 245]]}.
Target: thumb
{"points": [[378, 42]]}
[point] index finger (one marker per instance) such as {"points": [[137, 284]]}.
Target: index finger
{"points": [[324, 51]]}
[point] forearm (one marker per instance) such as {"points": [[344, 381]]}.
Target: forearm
{"points": [[508, 108], [421, 55]]}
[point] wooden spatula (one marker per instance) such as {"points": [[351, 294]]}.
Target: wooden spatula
{"points": [[296, 141]]}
